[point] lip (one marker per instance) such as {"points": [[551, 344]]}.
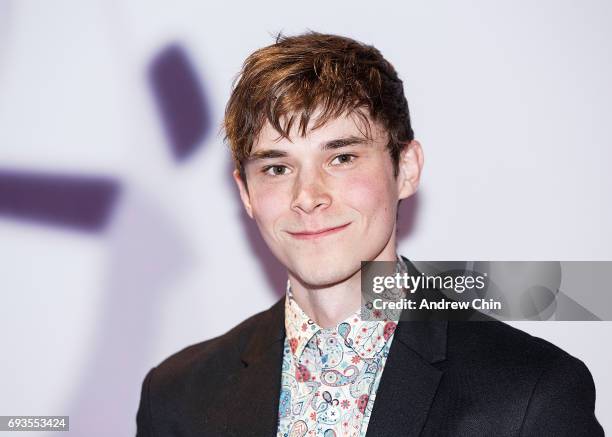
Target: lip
{"points": [[317, 234]]}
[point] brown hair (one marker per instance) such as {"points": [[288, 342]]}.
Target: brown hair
{"points": [[291, 79]]}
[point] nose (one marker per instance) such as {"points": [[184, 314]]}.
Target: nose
{"points": [[311, 192]]}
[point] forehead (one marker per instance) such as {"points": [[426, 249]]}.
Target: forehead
{"points": [[343, 126]]}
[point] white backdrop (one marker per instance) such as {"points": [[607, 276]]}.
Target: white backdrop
{"points": [[511, 101]]}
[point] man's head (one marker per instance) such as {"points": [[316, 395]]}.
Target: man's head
{"points": [[320, 134]]}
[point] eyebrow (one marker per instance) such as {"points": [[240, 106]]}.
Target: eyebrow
{"points": [[328, 145]]}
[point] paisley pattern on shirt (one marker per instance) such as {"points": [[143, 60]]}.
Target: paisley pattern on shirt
{"points": [[330, 376]]}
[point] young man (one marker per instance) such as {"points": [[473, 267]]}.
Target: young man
{"points": [[320, 133]]}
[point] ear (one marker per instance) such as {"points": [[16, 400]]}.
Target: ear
{"points": [[244, 194], [410, 166]]}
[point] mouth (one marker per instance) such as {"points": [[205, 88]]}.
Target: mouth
{"points": [[309, 235]]}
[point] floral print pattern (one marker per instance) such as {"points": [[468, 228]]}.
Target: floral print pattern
{"points": [[330, 376]]}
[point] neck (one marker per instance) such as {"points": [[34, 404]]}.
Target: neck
{"points": [[330, 305]]}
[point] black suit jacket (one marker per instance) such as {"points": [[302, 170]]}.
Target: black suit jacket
{"points": [[461, 378]]}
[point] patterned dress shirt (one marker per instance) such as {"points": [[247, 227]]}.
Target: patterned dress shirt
{"points": [[330, 376]]}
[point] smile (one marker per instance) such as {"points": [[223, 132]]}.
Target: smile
{"points": [[308, 235]]}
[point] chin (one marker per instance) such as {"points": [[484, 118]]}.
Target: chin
{"points": [[325, 270]]}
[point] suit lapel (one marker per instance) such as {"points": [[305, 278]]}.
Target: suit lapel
{"points": [[408, 384], [251, 395], [409, 380]]}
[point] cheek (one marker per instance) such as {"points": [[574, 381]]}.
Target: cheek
{"points": [[268, 205], [370, 194]]}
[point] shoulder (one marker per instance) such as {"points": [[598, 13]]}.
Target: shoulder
{"points": [[495, 348], [510, 361], [497, 342], [213, 358], [551, 390], [177, 385]]}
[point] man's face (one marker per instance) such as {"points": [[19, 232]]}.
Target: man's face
{"points": [[327, 201]]}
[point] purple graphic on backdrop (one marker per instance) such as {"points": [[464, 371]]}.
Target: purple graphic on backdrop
{"points": [[181, 101], [146, 250], [78, 202]]}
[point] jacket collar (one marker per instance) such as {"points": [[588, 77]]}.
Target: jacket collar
{"points": [[405, 393], [268, 332], [249, 398], [425, 338], [410, 379]]}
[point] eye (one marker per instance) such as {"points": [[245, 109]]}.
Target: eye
{"points": [[345, 158], [275, 170]]}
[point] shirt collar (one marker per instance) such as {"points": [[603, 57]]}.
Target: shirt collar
{"points": [[365, 337]]}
